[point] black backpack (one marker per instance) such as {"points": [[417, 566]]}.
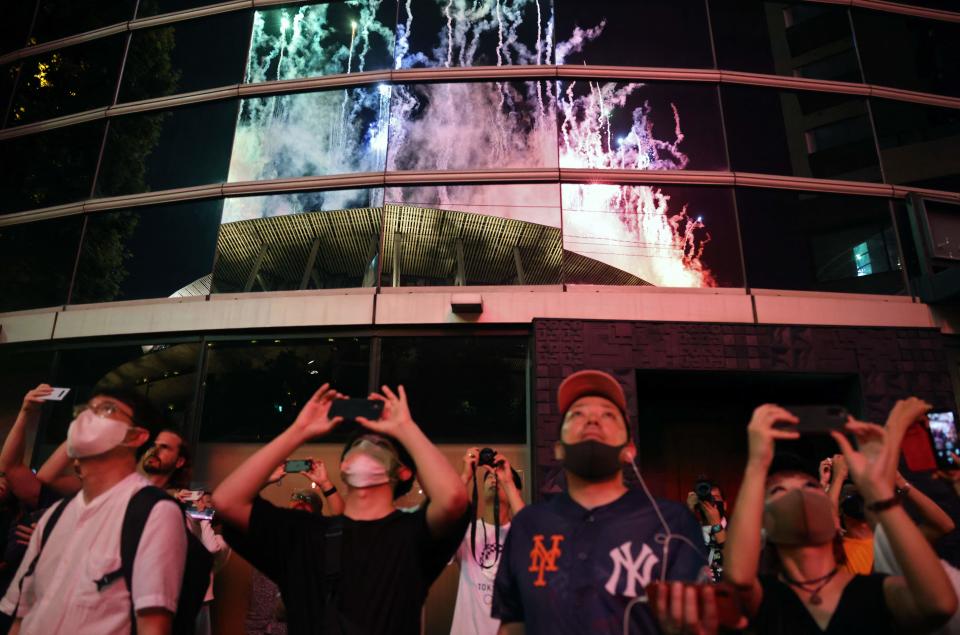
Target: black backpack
{"points": [[196, 572]]}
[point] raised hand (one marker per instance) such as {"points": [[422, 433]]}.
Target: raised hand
{"points": [[313, 420], [32, 401], [762, 435], [277, 474], [395, 419], [869, 465], [317, 472], [503, 470]]}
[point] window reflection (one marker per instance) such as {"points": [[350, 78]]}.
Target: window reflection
{"points": [[438, 33], [60, 18], [638, 126], [37, 261], [918, 144], [49, 168], [185, 56], [322, 240], [650, 235], [151, 252], [668, 33], [321, 39], [450, 380], [812, 242], [784, 38], [799, 133], [167, 149], [308, 134], [66, 81], [907, 52], [277, 377], [509, 125]]}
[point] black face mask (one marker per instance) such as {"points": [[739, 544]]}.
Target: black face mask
{"points": [[592, 460]]}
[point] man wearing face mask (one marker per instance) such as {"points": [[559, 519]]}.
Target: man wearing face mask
{"points": [[70, 586], [579, 562], [369, 570]]}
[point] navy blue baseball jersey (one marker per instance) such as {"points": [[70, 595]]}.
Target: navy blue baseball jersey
{"points": [[567, 569]]}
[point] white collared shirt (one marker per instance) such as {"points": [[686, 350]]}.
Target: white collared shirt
{"points": [[61, 596]]}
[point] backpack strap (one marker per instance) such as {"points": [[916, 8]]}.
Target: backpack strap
{"points": [[134, 522], [44, 537]]}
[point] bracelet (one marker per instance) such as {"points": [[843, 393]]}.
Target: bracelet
{"points": [[331, 491], [880, 506]]}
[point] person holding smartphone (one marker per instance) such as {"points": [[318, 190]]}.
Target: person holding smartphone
{"points": [[369, 570], [808, 590]]}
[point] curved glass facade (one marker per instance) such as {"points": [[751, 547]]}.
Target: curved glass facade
{"points": [[377, 143]]}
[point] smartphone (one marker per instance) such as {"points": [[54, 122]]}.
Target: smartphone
{"points": [[917, 448], [816, 419], [295, 466], [206, 514], [350, 409], [57, 395], [943, 431]]}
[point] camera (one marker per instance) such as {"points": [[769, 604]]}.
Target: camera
{"points": [[704, 491], [486, 457]]}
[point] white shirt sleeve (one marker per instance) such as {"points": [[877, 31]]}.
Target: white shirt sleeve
{"points": [[161, 558]]}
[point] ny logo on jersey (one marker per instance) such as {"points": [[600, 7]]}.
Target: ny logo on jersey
{"points": [[638, 569], [543, 559]]}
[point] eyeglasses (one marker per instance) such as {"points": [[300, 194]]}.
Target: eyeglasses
{"points": [[102, 409]]}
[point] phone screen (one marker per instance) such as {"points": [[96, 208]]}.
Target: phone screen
{"points": [[296, 466], [943, 430], [205, 514]]}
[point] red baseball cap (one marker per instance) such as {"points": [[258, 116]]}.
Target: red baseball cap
{"points": [[594, 383]]}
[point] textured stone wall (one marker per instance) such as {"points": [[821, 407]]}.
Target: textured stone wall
{"points": [[890, 362]]}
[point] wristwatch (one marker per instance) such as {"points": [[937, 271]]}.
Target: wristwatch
{"points": [[716, 529]]}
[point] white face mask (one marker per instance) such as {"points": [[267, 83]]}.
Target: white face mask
{"points": [[90, 435], [368, 464]]}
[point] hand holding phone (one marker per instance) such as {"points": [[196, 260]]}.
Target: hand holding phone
{"points": [[295, 466], [943, 431], [821, 420]]}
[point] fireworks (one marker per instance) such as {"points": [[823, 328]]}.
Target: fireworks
{"points": [[462, 126]]}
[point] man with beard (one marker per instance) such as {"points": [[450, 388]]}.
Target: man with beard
{"points": [[167, 463], [581, 562], [369, 570]]}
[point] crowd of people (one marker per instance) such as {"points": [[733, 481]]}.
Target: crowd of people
{"points": [[108, 537]]}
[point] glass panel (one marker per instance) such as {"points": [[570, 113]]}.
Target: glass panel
{"points": [[814, 242], [36, 262], [164, 373], [449, 382], [472, 235], [147, 8], [15, 26], [21, 369], [50, 167], [167, 149], [152, 252], [321, 39], [907, 52], [650, 235], [640, 126], [784, 38], [185, 56], [276, 377], [270, 243], [60, 18], [431, 33], [508, 125], [918, 144], [311, 134], [67, 81], [799, 133], [669, 33], [8, 80]]}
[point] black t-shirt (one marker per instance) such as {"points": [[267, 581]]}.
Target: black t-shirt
{"points": [[862, 609], [387, 566]]}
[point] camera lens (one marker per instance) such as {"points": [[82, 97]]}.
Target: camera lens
{"points": [[486, 457]]}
